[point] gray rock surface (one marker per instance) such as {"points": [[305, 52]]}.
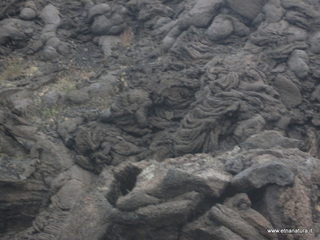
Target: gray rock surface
{"points": [[50, 15], [220, 28], [289, 91], [109, 23], [28, 14], [298, 63], [108, 42], [78, 96], [14, 29], [98, 9], [247, 8], [261, 175], [269, 139], [156, 119], [314, 41]]}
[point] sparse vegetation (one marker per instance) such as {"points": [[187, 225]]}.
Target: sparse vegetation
{"points": [[100, 103], [20, 157], [67, 86], [15, 68], [12, 71], [68, 79], [126, 37], [31, 71], [66, 82], [50, 113]]}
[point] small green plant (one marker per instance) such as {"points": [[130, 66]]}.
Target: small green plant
{"points": [[101, 103], [51, 113], [20, 157]]}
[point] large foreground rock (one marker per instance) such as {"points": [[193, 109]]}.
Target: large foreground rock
{"points": [[138, 199]]}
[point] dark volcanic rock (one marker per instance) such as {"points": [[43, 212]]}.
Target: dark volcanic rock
{"points": [[78, 96], [298, 63], [107, 22], [269, 139], [98, 9], [220, 28], [50, 15], [247, 8], [16, 30], [156, 119], [233, 221], [290, 93], [261, 175]]}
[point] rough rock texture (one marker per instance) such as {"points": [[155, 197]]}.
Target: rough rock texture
{"points": [[247, 8], [156, 119]]}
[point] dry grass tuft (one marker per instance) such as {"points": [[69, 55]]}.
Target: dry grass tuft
{"points": [[12, 71], [17, 68], [126, 37]]}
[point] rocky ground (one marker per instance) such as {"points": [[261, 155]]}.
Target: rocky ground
{"points": [[159, 119]]}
